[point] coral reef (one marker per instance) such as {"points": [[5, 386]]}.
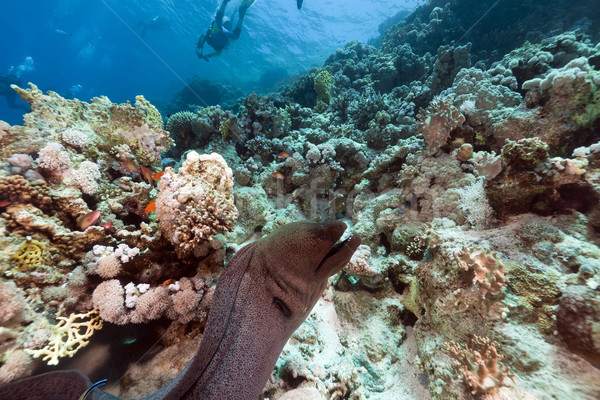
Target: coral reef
{"points": [[467, 156]]}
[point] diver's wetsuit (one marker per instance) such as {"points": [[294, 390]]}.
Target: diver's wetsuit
{"points": [[219, 37], [5, 90]]}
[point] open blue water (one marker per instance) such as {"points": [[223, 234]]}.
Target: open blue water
{"points": [[98, 47]]}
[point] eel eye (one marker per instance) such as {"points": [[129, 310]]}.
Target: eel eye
{"points": [[323, 236], [285, 311]]}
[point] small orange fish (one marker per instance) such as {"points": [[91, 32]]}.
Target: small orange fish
{"points": [[130, 166], [151, 207], [167, 282], [87, 220], [158, 175], [278, 175], [107, 225], [148, 174], [4, 203], [283, 155]]}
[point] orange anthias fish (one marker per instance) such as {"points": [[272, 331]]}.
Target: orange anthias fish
{"points": [[4, 203], [130, 166], [107, 225], [284, 155], [167, 282], [87, 220], [278, 175], [158, 175], [148, 174], [151, 207]]}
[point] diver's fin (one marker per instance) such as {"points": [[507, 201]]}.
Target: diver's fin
{"points": [[299, 4], [92, 387], [246, 3]]}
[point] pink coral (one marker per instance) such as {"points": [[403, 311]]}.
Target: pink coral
{"points": [[478, 365], [487, 268]]}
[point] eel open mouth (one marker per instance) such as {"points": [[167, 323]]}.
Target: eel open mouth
{"points": [[339, 255]]}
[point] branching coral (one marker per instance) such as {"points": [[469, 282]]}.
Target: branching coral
{"points": [[478, 365], [487, 268], [54, 156], [68, 336]]}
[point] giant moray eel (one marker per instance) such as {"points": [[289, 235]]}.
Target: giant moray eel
{"points": [[265, 292]]}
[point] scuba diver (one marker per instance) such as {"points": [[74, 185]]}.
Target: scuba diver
{"points": [[219, 35], [10, 78], [156, 23], [13, 77]]}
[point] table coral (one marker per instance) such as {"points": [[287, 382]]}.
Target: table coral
{"points": [[107, 124]]}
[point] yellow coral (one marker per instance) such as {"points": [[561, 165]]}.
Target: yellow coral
{"points": [[68, 336], [30, 252]]}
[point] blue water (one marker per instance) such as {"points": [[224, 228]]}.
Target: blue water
{"points": [[98, 47]]}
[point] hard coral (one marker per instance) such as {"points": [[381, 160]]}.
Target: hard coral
{"points": [[478, 365], [437, 121], [195, 204], [68, 336], [17, 189], [323, 83], [488, 270], [30, 252]]}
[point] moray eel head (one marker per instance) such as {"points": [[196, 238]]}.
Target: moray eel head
{"points": [[296, 261]]}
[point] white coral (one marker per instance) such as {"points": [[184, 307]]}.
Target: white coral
{"points": [[125, 253], [85, 177], [54, 156], [108, 266], [75, 138], [474, 203]]}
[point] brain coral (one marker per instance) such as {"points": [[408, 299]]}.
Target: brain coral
{"points": [[195, 203]]}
